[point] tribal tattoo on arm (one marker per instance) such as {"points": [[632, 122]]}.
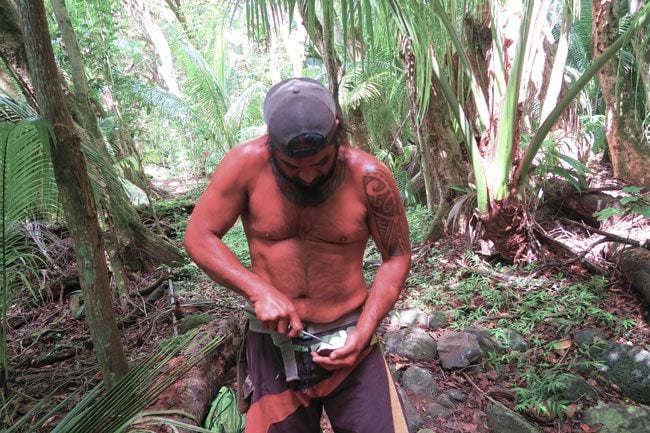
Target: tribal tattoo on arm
{"points": [[386, 214]]}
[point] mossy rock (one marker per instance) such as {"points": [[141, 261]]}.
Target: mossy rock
{"points": [[629, 368], [618, 418], [194, 321]]}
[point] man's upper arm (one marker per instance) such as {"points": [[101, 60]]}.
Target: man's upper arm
{"points": [[386, 216]]}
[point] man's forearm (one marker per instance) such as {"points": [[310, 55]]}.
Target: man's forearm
{"points": [[384, 293]]}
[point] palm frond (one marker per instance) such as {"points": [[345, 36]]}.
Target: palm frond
{"points": [[26, 187], [240, 111], [357, 87], [204, 88], [112, 411]]}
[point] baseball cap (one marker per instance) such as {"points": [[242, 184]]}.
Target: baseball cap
{"points": [[296, 107]]}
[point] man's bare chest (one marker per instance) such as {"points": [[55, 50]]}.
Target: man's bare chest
{"points": [[341, 219]]}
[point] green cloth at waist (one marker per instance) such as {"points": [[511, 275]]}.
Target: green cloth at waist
{"points": [[288, 346]]}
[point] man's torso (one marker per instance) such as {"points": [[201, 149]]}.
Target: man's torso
{"points": [[312, 254]]}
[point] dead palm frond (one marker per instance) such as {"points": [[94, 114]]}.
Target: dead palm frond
{"points": [[114, 411]]}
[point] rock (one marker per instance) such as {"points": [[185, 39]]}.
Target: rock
{"points": [[425, 430], [456, 395], [413, 419], [485, 340], [419, 381], [458, 350], [577, 388], [415, 317], [446, 401], [411, 343], [437, 320], [514, 340], [408, 318], [587, 336], [194, 321], [434, 410], [618, 418], [629, 368], [500, 419]]}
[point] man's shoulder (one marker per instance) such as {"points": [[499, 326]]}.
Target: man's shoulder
{"points": [[363, 163], [252, 150], [242, 162]]}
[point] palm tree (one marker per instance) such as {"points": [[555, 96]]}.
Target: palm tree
{"points": [[501, 162], [27, 189], [625, 96]]}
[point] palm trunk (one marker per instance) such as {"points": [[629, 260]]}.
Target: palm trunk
{"points": [[359, 130], [442, 160], [623, 125], [72, 179], [323, 39]]}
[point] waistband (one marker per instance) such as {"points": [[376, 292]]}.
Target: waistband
{"points": [[314, 328], [285, 343]]}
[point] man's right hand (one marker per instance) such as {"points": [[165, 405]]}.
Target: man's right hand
{"points": [[277, 313]]}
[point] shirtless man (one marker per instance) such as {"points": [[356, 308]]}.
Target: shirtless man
{"points": [[308, 203]]}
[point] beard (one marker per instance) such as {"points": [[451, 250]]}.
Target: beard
{"points": [[309, 194]]}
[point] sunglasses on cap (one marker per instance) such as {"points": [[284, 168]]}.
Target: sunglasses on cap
{"points": [[304, 145]]}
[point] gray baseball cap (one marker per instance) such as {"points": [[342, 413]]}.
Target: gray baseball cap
{"points": [[299, 106]]}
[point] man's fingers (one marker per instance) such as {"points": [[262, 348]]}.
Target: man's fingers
{"points": [[341, 352], [271, 325], [296, 325], [332, 364], [283, 326]]}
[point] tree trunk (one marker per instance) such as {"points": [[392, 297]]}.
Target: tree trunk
{"points": [[642, 53], [442, 160], [175, 7], [72, 179], [508, 226], [623, 121], [634, 264], [7, 82], [359, 130], [12, 49], [120, 213], [194, 392], [323, 39]]}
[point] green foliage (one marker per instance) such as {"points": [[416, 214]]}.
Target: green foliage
{"points": [[542, 309], [556, 164], [397, 165], [236, 240], [543, 392], [419, 221], [636, 202], [593, 131], [27, 189]]}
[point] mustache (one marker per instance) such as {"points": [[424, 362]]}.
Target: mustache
{"points": [[312, 186]]}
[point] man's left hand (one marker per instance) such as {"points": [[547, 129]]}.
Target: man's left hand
{"points": [[345, 356]]}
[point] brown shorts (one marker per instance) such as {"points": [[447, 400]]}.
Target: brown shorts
{"points": [[358, 399]]}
